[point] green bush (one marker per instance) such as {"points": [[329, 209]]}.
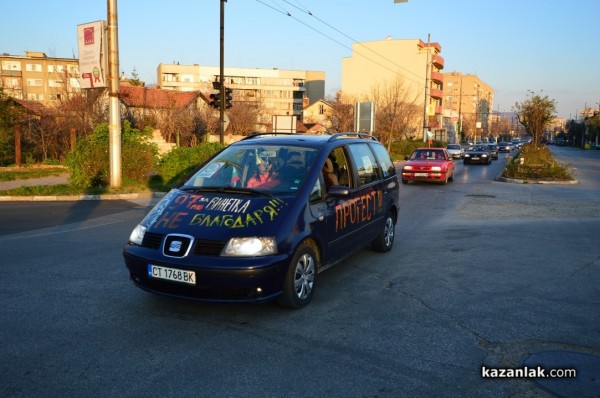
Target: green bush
{"points": [[89, 163], [181, 161], [400, 149]]}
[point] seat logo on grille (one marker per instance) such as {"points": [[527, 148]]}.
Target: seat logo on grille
{"points": [[175, 246]]}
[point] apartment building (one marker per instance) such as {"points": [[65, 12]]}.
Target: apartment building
{"points": [[412, 62], [468, 104], [36, 77], [275, 91]]}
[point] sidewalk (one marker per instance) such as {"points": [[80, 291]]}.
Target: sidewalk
{"points": [[63, 179], [52, 180]]}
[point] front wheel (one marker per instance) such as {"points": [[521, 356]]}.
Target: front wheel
{"points": [[299, 283], [385, 240]]}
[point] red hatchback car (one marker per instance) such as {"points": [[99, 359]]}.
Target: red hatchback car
{"points": [[428, 165]]}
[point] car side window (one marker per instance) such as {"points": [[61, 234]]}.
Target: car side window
{"points": [[387, 166], [366, 165], [342, 167]]}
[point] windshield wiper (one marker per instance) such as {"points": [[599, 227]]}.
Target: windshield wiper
{"points": [[246, 191]]}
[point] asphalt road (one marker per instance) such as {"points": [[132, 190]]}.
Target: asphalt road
{"points": [[482, 273]]}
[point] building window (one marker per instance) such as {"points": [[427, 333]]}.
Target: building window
{"points": [[11, 65], [321, 110], [35, 97], [34, 82], [12, 83], [33, 67], [56, 68], [55, 83]]}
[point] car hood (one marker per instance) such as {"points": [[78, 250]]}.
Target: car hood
{"points": [[218, 215], [424, 163]]}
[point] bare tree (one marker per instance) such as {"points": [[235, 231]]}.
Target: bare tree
{"points": [[243, 117], [397, 110], [535, 113], [342, 115]]}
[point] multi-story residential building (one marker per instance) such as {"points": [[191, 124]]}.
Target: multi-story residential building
{"points": [[275, 91], [468, 104], [37, 77], [412, 62]]}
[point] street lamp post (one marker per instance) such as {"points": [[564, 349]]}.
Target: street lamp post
{"points": [[426, 100], [114, 120]]}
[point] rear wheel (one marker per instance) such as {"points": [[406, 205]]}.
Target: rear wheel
{"points": [[385, 240], [299, 283], [404, 181]]}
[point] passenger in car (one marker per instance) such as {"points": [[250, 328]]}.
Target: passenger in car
{"points": [[265, 176], [329, 174]]}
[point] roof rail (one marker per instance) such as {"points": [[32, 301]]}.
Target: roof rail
{"points": [[254, 135], [352, 134]]}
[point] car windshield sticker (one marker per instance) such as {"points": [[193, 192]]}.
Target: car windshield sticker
{"points": [[210, 169]]}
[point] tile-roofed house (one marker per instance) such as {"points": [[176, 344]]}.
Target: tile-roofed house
{"points": [[154, 98], [33, 108]]}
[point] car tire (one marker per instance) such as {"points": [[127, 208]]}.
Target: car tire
{"points": [[465, 161], [404, 181], [384, 242], [299, 282], [451, 178]]}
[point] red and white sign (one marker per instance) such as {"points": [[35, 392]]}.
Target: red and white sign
{"points": [[91, 40]]}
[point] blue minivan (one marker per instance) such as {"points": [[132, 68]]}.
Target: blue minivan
{"points": [[263, 217]]}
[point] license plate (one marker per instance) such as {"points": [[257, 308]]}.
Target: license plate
{"points": [[474, 158], [420, 174], [171, 274]]}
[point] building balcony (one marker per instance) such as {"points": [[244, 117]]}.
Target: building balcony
{"points": [[437, 77], [435, 93], [437, 61]]}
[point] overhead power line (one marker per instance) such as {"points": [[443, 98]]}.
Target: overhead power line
{"points": [[285, 12]]}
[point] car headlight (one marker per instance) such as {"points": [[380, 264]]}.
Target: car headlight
{"points": [[436, 168], [467, 155], [407, 168], [484, 156], [250, 246], [137, 235]]}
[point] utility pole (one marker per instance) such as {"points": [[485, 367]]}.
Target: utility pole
{"points": [[114, 119], [221, 76], [426, 91]]}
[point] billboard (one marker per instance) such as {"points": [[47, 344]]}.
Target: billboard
{"points": [[364, 117], [284, 124], [92, 44]]}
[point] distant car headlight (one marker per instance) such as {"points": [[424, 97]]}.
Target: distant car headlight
{"points": [[436, 168], [137, 235], [467, 155], [407, 168], [484, 156], [250, 246]]}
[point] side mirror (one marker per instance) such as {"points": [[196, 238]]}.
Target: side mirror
{"points": [[338, 190], [406, 158]]}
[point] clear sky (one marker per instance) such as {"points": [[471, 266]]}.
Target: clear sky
{"points": [[550, 47]]}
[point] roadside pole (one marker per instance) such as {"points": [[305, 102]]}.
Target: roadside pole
{"points": [[114, 120]]}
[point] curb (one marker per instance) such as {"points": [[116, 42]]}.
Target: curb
{"points": [[72, 198]]}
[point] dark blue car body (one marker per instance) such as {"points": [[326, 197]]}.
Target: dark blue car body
{"points": [[225, 242]]}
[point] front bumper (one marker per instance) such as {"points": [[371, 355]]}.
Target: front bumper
{"points": [[426, 176], [218, 279]]}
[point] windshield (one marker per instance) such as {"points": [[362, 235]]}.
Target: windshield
{"points": [[267, 168]]}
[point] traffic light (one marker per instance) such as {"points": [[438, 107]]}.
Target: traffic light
{"points": [[215, 98], [228, 97]]}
